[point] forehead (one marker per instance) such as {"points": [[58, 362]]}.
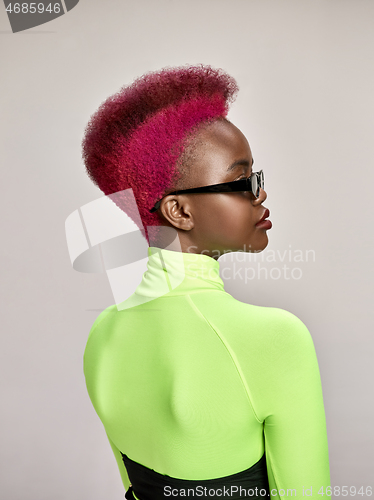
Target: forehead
{"points": [[219, 145]]}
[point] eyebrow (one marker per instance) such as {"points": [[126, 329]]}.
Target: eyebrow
{"points": [[238, 163]]}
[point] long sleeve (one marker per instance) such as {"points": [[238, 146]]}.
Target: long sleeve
{"points": [[295, 427]]}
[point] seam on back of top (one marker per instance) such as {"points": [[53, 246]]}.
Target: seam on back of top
{"points": [[232, 356]]}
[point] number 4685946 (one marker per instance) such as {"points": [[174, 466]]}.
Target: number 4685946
{"points": [[345, 491], [33, 8]]}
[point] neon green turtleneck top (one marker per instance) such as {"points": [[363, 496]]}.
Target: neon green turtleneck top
{"points": [[192, 383]]}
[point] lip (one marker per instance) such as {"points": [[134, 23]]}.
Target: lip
{"points": [[263, 223], [265, 215]]}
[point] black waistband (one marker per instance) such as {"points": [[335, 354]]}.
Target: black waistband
{"points": [[148, 484]]}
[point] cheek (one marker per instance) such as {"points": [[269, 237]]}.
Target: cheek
{"points": [[226, 215]]}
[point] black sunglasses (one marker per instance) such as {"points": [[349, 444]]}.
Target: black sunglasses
{"points": [[251, 184]]}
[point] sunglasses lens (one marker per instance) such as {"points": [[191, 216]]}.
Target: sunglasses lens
{"points": [[255, 186], [262, 179], [257, 183]]}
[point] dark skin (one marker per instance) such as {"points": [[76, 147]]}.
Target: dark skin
{"points": [[217, 223]]}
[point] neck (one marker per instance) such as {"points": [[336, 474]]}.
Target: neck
{"points": [[168, 237]]}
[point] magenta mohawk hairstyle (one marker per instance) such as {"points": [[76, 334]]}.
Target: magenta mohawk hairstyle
{"points": [[136, 136]]}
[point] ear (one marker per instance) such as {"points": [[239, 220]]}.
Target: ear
{"points": [[177, 210]]}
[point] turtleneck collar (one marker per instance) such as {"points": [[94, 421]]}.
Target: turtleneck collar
{"points": [[178, 273]]}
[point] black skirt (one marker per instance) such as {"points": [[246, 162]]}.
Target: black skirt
{"points": [[148, 484]]}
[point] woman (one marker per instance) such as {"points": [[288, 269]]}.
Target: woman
{"points": [[199, 394]]}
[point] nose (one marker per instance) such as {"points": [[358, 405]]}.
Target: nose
{"points": [[261, 197]]}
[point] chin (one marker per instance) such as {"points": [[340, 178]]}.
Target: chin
{"points": [[255, 248]]}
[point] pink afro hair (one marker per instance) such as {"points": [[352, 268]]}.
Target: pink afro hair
{"points": [[136, 137]]}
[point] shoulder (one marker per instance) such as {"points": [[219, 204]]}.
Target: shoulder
{"points": [[273, 325], [257, 327], [276, 342], [106, 327], [271, 316], [285, 322], [104, 316], [103, 320]]}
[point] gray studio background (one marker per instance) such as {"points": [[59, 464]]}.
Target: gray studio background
{"points": [[306, 104]]}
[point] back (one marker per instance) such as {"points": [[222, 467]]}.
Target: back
{"points": [[197, 385]]}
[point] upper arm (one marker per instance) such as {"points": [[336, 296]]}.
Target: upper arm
{"points": [[295, 426]]}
